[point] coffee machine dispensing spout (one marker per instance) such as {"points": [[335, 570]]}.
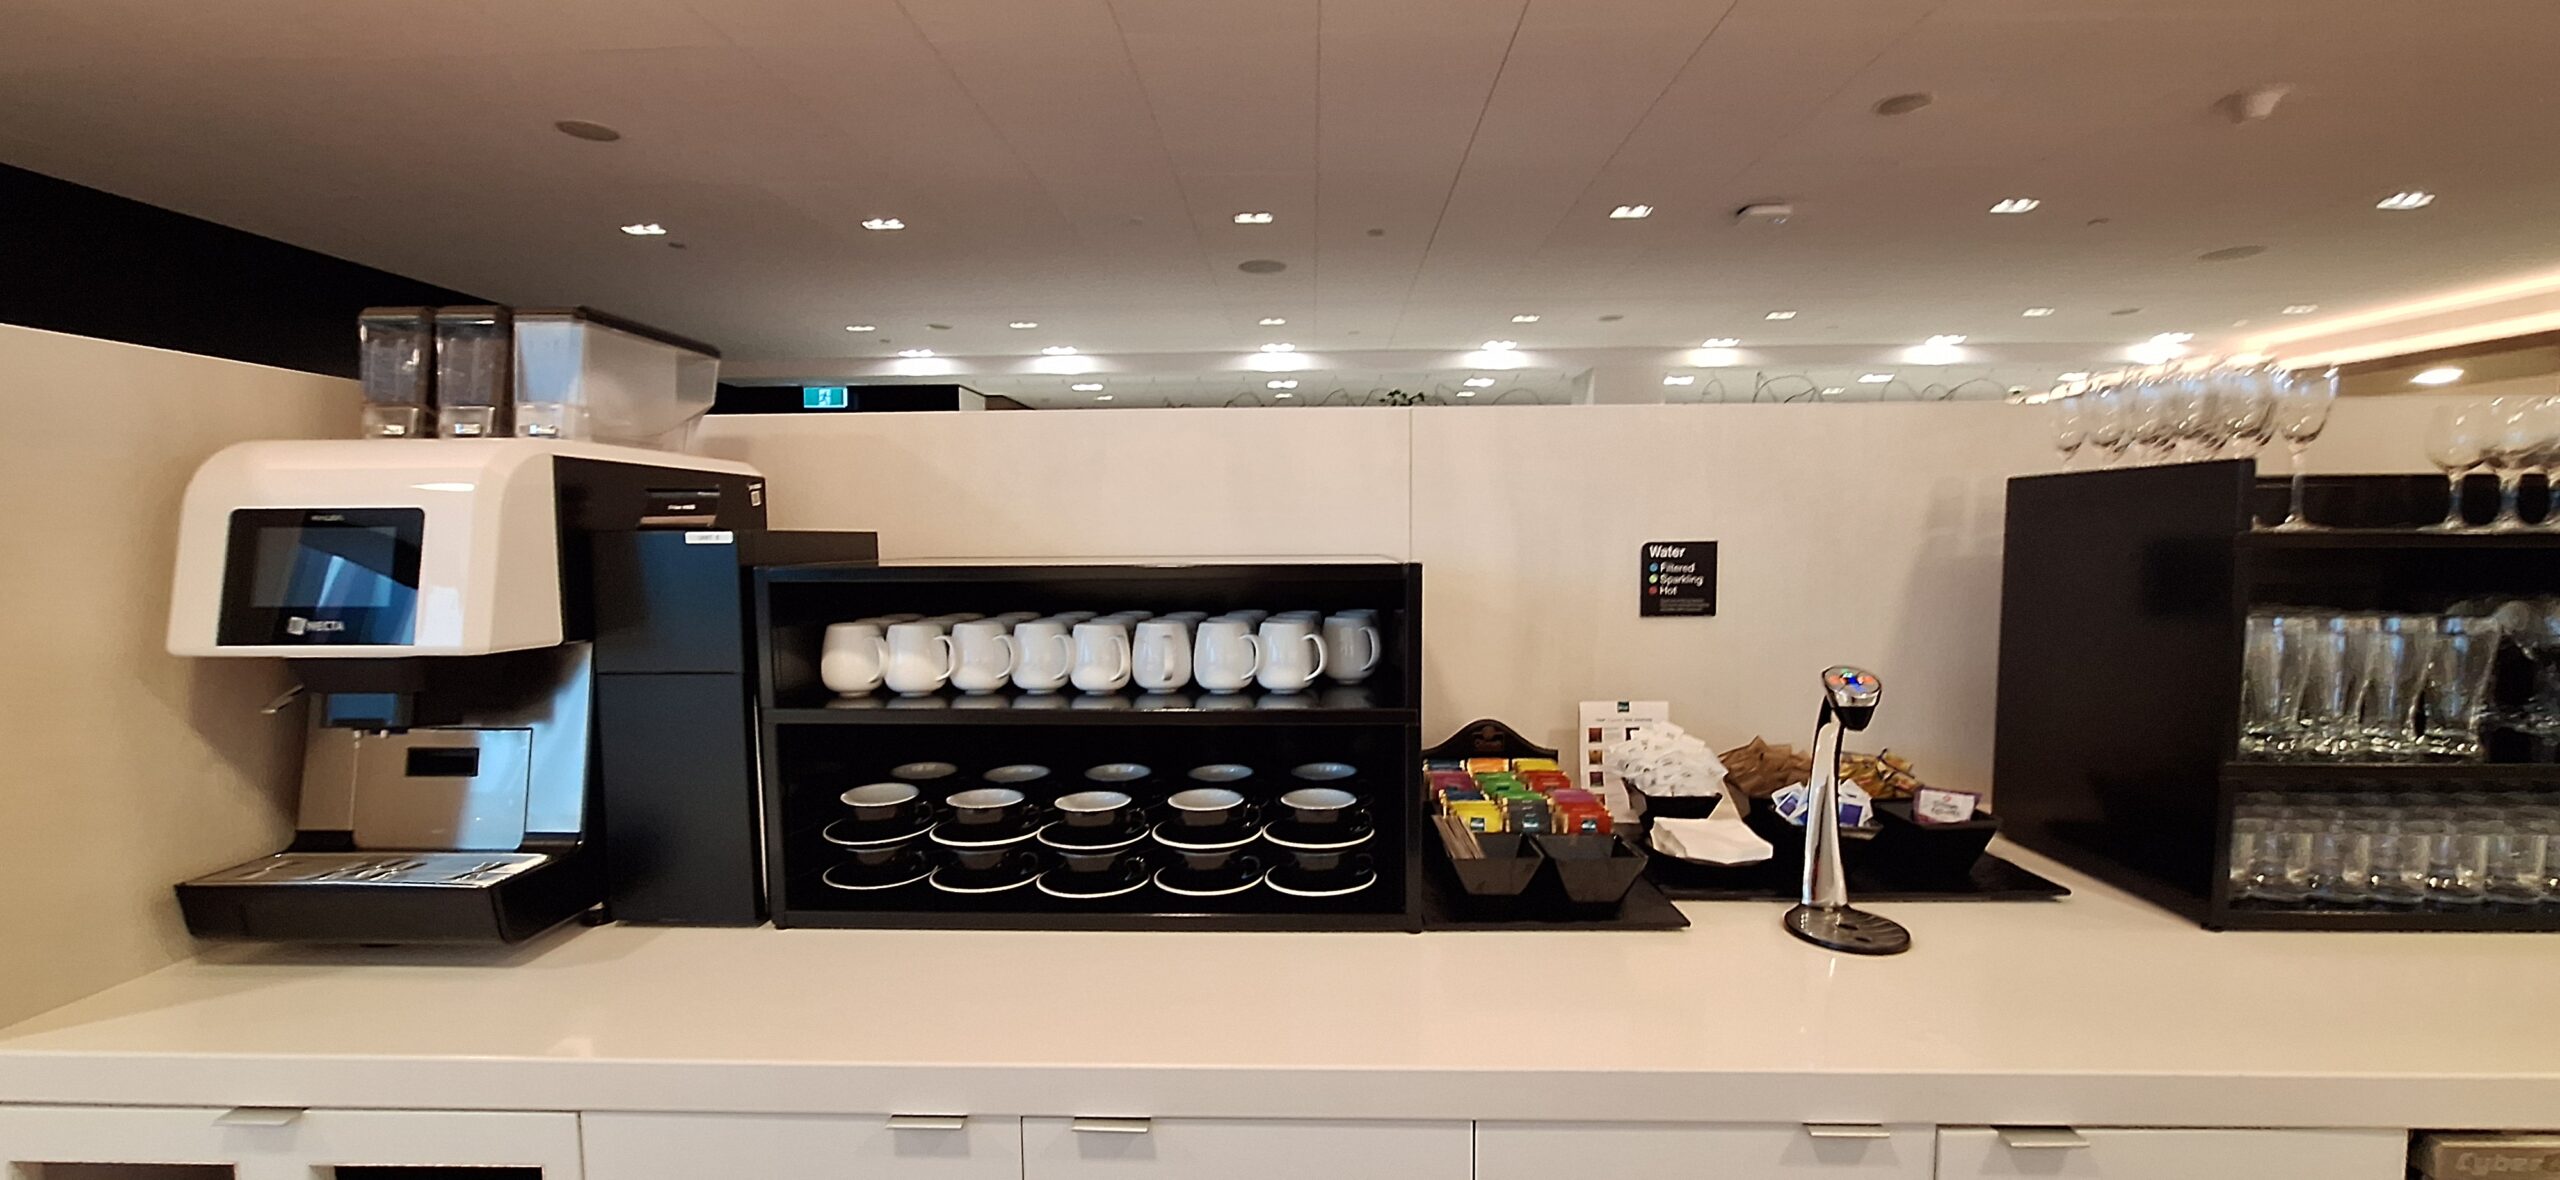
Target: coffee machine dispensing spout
{"points": [[1825, 917]]}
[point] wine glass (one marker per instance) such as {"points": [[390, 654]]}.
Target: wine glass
{"points": [[2108, 425], [2519, 431], [2242, 401], [2070, 427], [2302, 406], [2192, 415], [2454, 446], [2155, 424]]}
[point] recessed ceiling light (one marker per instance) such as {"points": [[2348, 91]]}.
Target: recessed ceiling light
{"points": [[1874, 378], [2443, 375], [2016, 205], [1279, 346], [1102, 397], [1631, 212], [2413, 199], [2037, 313], [1720, 342], [1256, 218], [2173, 337], [1501, 346], [1831, 390], [1087, 387], [1679, 379], [1280, 384], [1524, 319], [1262, 266], [1944, 341], [1470, 392], [2075, 375], [582, 129], [2301, 308], [1477, 382], [1024, 324], [2126, 311], [645, 229], [1284, 396], [915, 352], [1779, 315], [2231, 253], [861, 328], [1272, 321], [1059, 350], [883, 223], [1904, 104]]}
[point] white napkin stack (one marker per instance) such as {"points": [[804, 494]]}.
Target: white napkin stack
{"points": [[1720, 839], [1663, 760]]}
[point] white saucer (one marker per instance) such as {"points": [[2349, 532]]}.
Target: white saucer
{"points": [[1364, 838], [1043, 881], [829, 835], [1277, 887], [1016, 838], [937, 883], [1249, 883], [1043, 836], [829, 877]]}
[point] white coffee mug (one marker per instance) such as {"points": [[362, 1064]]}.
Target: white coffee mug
{"points": [[1351, 648], [1188, 618], [919, 659], [1073, 617], [1102, 657], [982, 656], [1162, 655], [1012, 617], [1308, 615], [1224, 655], [849, 661], [1250, 618], [1292, 655], [1042, 655]]}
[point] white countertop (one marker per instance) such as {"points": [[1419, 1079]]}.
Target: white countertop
{"points": [[2093, 1010]]}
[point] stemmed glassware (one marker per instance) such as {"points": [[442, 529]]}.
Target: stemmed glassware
{"points": [[2070, 427], [2513, 442], [2302, 401], [2455, 444], [2109, 429], [2246, 415]]}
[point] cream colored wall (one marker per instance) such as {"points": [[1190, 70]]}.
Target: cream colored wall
{"points": [[126, 769]]}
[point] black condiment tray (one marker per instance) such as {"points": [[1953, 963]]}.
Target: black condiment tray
{"points": [[1991, 879]]}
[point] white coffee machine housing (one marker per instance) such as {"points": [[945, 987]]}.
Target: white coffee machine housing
{"points": [[373, 548]]}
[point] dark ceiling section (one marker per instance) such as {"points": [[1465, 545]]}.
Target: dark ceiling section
{"points": [[77, 260]]}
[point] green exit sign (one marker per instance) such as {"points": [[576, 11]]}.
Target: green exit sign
{"points": [[825, 397]]}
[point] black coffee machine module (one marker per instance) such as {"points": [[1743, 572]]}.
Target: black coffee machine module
{"points": [[529, 676]]}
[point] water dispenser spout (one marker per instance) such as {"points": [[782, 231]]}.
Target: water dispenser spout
{"points": [[1824, 917]]}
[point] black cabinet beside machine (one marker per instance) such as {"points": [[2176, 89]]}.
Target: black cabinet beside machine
{"points": [[817, 744], [2125, 599]]}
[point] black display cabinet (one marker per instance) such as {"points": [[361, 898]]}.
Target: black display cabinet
{"points": [[2124, 598], [816, 745]]}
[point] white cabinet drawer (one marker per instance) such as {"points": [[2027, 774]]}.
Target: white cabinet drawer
{"points": [[801, 1147], [1245, 1149], [288, 1143], [2126, 1154], [1692, 1151]]}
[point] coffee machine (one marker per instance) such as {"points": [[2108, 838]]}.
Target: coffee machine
{"points": [[527, 665]]}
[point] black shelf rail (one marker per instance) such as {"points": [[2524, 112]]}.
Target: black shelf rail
{"points": [[2124, 600]]}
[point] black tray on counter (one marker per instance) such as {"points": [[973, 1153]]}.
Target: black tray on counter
{"points": [[1447, 906], [1992, 879]]}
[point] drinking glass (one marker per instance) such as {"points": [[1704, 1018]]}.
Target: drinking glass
{"points": [[2456, 692], [2402, 852], [2458, 863], [2456, 443], [2334, 655], [2155, 421], [2395, 665], [2244, 409], [2542, 820], [2191, 416], [2302, 401], [2519, 865], [2533, 626], [2070, 427], [2519, 437], [2107, 424], [2271, 683], [2278, 855], [2342, 861]]}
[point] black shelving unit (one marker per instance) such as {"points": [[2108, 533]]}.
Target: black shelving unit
{"points": [[816, 745], [2124, 598]]}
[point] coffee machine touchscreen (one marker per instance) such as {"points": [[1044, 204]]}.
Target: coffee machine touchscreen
{"points": [[322, 576]]}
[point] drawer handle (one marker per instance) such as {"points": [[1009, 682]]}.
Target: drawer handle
{"points": [[259, 1116], [1109, 1126], [928, 1122], [1847, 1131], [2040, 1138]]}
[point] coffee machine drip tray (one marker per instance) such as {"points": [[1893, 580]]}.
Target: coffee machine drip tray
{"points": [[467, 870]]}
